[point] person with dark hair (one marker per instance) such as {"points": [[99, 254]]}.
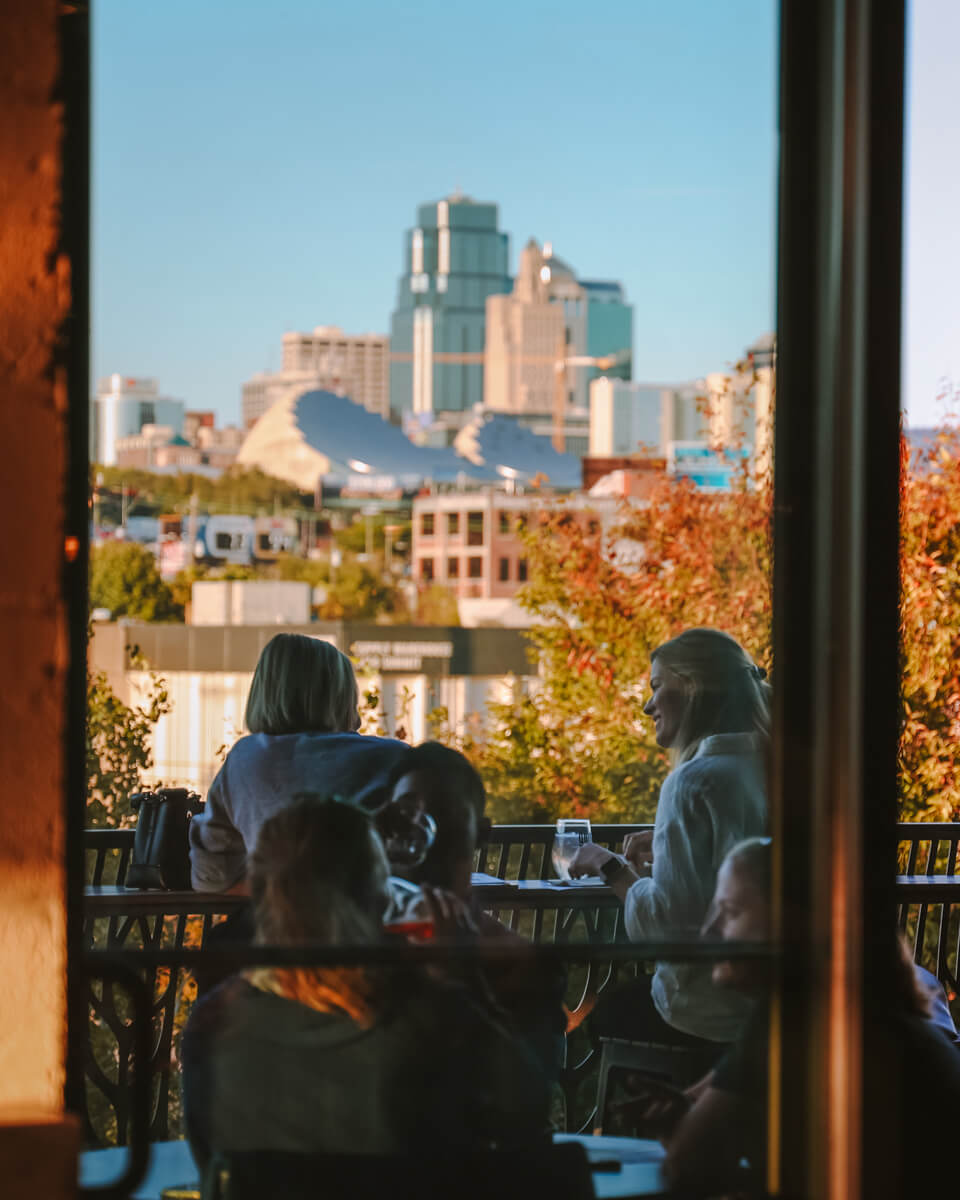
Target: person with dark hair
{"points": [[346, 1059], [302, 716], [441, 782], [444, 784]]}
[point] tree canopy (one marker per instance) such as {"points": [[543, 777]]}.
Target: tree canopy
{"points": [[579, 743], [602, 600], [124, 579], [119, 748], [238, 489], [930, 630]]}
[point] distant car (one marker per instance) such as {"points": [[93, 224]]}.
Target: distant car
{"points": [[100, 614], [273, 536], [225, 539]]}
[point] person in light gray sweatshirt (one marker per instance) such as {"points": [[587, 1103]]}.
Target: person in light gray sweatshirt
{"points": [[302, 714], [710, 707]]}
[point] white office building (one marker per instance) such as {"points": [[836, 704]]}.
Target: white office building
{"points": [[122, 407], [642, 418]]}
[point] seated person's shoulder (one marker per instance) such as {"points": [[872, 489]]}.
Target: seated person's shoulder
{"points": [[743, 1067], [215, 1010]]}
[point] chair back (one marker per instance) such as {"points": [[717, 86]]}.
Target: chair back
{"points": [[561, 1172]]}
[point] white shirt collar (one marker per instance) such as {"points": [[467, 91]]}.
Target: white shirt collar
{"points": [[729, 743]]}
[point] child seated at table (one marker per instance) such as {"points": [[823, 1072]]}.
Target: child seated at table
{"points": [[441, 782], [346, 1059], [721, 1121]]}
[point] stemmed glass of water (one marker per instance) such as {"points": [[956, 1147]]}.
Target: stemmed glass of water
{"points": [[571, 834]]}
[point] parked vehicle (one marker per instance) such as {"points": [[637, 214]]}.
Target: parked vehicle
{"points": [[223, 539], [273, 536]]}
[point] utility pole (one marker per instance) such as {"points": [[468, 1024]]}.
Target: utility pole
{"points": [[388, 549], [97, 485], [192, 529], [123, 506]]}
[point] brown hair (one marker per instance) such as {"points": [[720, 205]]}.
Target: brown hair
{"points": [[318, 874]]}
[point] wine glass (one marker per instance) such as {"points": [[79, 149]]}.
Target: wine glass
{"points": [[570, 836], [578, 825], [407, 836]]}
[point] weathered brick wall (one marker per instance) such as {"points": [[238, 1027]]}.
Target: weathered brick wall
{"points": [[34, 298]]}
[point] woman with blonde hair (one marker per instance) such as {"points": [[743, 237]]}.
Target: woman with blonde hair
{"points": [[710, 708], [302, 715]]}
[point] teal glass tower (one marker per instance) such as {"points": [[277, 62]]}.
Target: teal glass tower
{"points": [[453, 260]]}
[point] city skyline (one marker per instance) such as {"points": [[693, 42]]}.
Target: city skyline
{"points": [[247, 182]]}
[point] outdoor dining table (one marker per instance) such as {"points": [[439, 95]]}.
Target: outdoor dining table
{"points": [[627, 1167], [105, 900], [115, 899]]}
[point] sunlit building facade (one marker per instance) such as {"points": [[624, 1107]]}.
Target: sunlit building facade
{"points": [[122, 407], [353, 365], [454, 259], [548, 339]]}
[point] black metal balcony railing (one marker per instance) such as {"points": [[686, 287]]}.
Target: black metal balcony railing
{"points": [[149, 923]]}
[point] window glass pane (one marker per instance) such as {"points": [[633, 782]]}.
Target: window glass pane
{"points": [[576, 354], [930, 496], [475, 529]]}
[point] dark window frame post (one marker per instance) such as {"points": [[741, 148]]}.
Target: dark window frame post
{"points": [[836, 593]]}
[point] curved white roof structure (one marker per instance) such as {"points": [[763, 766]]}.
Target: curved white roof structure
{"points": [[495, 441], [320, 435]]}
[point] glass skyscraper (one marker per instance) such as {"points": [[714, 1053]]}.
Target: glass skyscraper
{"points": [[454, 259]]}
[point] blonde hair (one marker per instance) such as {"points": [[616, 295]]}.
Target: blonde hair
{"points": [[726, 692], [302, 685]]}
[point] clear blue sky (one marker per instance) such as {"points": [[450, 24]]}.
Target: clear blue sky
{"points": [[931, 319], [255, 166]]}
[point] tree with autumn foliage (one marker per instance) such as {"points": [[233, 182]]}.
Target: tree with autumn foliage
{"points": [[601, 601], [930, 629]]}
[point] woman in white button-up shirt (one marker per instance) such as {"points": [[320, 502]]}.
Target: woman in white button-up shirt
{"points": [[710, 708]]}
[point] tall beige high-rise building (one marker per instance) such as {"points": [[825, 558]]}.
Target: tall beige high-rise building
{"points": [[357, 366], [525, 339]]}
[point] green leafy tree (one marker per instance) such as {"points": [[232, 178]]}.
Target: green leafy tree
{"points": [[353, 539], [358, 593], [302, 570], [118, 748], [238, 489], [437, 605], [124, 579]]}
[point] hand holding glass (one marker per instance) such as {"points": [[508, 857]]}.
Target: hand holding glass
{"points": [[570, 836]]}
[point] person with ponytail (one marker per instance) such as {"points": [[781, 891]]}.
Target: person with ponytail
{"points": [[710, 706]]}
